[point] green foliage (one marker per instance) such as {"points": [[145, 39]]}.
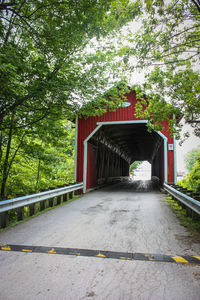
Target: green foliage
{"points": [[181, 87], [166, 48], [46, 75], [41, 52], [187, 221], [135, 165], [42, 157], [192, 180], [110, 100]]}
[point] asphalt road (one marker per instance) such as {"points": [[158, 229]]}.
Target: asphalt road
{"points": [[116, 218]]}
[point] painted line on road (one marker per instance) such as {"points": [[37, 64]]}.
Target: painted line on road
{"points": [[103, 254]]}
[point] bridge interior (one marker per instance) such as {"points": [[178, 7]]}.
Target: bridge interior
{"points": [[116, 147]]}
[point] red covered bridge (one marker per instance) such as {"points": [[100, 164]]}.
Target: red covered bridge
{"points": [[106, 146]]}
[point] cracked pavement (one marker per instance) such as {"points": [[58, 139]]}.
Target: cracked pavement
{"points": [[117, 218]]}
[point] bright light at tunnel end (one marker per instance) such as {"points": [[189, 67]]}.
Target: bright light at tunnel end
{"points": [[143, 172]]}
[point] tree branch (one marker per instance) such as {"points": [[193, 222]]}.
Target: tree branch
{"points": [[171, 62], [20, 101], [14, 155], [22, 18], [177, 34], [196, 4], [194, 121], [5, 5]]}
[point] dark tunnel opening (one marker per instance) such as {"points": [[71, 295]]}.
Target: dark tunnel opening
{"points": [[113, 148]]}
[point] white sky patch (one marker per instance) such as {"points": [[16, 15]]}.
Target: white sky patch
{"points": [[143, 172], [189, 144]]}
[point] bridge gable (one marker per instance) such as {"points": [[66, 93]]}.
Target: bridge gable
{"points": [[121, 133]]}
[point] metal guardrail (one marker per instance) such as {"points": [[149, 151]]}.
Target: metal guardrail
{"points": [[185, 199], [7, 205]]}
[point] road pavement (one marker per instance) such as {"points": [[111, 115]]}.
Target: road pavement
{"points": [[117, 218]]}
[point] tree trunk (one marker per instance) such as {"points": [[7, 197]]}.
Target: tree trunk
{"points": [[1, 145], [38, 175], [6, 161]]}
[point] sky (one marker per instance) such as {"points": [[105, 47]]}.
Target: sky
{"points": [[191, 143]]}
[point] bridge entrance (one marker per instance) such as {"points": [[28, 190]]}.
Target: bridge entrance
{"points": [[106, 146]]}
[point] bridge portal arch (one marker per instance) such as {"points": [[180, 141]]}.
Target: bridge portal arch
{"points": [[106, 146]]}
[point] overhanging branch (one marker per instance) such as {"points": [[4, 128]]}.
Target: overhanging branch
{"points": [[194, 121], [6, 5]]}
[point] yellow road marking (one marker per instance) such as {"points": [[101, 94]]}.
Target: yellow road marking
{"points": [[6, 248], [52, 251], [100, 255], [198, 257], [179, 259]]}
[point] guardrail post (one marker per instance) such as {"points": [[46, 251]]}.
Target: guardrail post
{"points": [[65, 197], [4, 219], [188, 210], [76, 192], [60, 198], [20, 213], [45, 203], [51, 202], [58, 201], [32, 209], [42, 205], [71, 195]]}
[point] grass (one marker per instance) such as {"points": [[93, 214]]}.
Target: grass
{"points": [[191, 223], [13, 213]]}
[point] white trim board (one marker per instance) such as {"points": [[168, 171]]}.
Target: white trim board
{"points": [[175, 156], [122, 122], [85, 157], [99, 125], [75, 154], [175, 161]]}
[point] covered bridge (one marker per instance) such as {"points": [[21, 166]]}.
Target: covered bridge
{"points": [[107, 145]]}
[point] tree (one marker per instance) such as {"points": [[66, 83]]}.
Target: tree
{"points": [[192, 180], [40, 46], [135, 165], [167, 49], [37, 158], [192, 161], [45, 75]]}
